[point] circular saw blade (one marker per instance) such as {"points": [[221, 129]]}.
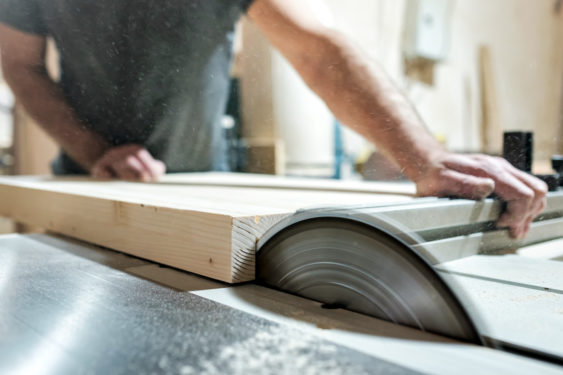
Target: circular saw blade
{"points": [[364, 269]]}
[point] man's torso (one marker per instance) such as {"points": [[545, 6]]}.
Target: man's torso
{"points": [[150, 72]]}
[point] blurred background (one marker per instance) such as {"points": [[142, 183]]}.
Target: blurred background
{"points": [[472, 68]]}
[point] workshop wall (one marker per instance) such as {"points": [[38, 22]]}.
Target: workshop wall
{"points": [[524, 40], [503, 70], [6, 127], [6, 118]]}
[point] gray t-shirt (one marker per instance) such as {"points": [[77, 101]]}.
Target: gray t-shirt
{"points": [[149, 72]]}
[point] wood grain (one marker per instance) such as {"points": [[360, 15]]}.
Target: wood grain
{"points": [[206, 224]]}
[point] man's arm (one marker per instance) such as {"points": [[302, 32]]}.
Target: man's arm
{"points": [[361, 95], [23, 66]]}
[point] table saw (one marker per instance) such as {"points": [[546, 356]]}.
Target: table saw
{"points": [[395, 286]]}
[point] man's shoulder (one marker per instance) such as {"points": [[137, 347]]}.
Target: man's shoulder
{"points": [[24, 15]]}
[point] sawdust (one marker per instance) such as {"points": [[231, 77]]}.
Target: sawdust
{"points": [[324, 326], [533, 297], [269, 352]]}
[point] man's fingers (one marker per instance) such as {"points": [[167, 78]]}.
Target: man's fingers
{"points": [[519, 227], [102, 168], [538, 187], [530, 203], [453, 183], [129, 162], [520, 230], [542, 206], [525, 195], [509, 185], [520, 211], [521, 203], [131, 168], [516, 213], [160, 168], [526, 228], [466, 164], [101, 172], [155, 168]]}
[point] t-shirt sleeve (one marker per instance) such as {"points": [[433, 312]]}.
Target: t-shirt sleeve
{"points": [[245, 4], [24, 15]]}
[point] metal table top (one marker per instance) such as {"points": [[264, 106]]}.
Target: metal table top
{"points": [[70, 308], [66, 311]]}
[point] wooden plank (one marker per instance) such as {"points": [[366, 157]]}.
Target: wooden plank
{"points": [[521, 316], [277, 182], [205, 229], [33, 148], [265, 156], [491, 128], [221, 193]]}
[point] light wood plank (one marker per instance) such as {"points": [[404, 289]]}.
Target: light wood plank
{"points": [[220, 193], [276, 182], [188, 240], [209, 227]]}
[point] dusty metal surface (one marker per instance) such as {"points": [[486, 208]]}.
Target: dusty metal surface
{"points": [[69, 311]]}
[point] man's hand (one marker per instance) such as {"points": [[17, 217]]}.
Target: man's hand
{"points": [[129, 162], [477, 176]]}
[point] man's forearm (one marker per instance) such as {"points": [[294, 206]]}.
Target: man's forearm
{"points": [[355, 89], [43, 100], [362, 96]]}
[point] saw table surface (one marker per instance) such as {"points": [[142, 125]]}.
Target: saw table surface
{"points": [[73, 308]]}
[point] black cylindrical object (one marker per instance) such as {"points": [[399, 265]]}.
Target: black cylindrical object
{"points": [[557, 163], [552, 180], [519, 149]]}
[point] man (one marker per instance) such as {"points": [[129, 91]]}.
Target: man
{"points": [[144, 84]]}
